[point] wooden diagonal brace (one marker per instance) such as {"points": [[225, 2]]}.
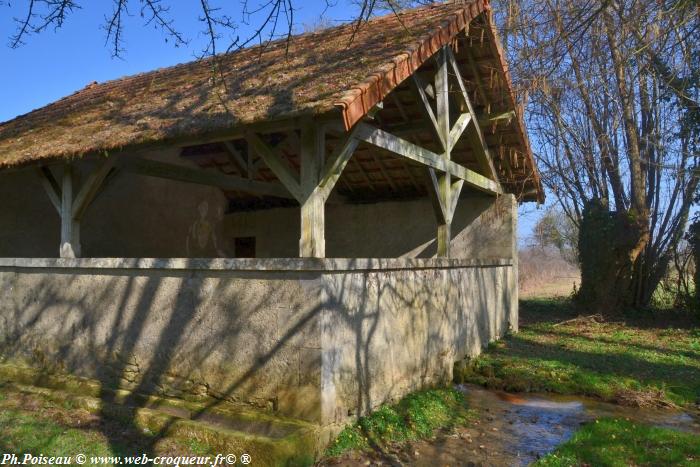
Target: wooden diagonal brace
{"points": [[476, 137], [278, 166], [337, 162], [428, 110], [91, 187], [236, 158], [51, 186], [458, 129]]}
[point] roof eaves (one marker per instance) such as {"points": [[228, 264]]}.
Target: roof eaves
{"points": [[520, 124], [359, 100]]}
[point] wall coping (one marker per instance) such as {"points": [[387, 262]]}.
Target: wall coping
{"points": [[250, 264]]}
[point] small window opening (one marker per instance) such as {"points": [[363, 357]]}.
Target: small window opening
{"points": [[244, 247]]}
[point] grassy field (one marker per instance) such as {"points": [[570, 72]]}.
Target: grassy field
{"points": [[641, 359], [613, 442]]}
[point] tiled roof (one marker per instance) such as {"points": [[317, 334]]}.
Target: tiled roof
{"points": [[335, 70]]}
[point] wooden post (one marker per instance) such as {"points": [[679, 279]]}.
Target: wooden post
{"points": [[312, 243], [442, 97], [70, 228]]}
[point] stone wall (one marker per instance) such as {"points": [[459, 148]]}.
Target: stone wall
{"points": [[322, 340]]}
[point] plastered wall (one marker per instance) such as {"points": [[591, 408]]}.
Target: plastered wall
{"points": [[483, 228], [136, 216]]}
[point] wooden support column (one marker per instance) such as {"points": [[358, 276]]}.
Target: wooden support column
{"points": [[312, 243], [70, 228], [444, 180], [71, 208]]}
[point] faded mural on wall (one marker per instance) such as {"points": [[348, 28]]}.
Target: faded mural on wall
{"points": [[202, 236]]}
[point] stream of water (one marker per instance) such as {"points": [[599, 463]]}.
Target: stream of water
{"points": [[515, 430]]}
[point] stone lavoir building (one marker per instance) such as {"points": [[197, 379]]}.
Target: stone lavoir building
{"points": [[308, 232]]}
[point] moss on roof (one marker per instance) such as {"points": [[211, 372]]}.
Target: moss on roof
{"points": [[215, 94]]}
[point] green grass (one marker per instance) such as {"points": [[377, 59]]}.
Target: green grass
{"points": [[25, 433], [627, 361], [418, 415], [618, 442], [33, 424]]}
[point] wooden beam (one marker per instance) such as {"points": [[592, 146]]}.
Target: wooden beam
{"points": [[237, 159], [443, 180], [337, 163], [476, 137], [396, 145], [217, 179], [70, 228], [458, 129], [277, 165], [312, 243], [51, 186], [91, 187], [428, 110]]}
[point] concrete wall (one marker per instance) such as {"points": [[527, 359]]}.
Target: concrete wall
{"points": [[143, 217], [318, 339]]}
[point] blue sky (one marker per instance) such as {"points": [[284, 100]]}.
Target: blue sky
{"points": [[54, 64]]}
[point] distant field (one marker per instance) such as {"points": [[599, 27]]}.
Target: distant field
{"points": [[560, 286], [545, 274]]}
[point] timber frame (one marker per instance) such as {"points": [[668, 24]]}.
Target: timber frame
{"points": [[261, 166]]}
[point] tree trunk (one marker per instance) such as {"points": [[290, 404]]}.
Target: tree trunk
{"points": [[608, 243]]}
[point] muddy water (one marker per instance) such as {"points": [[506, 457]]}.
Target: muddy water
{"points": [[519, 429], [515, 430]]}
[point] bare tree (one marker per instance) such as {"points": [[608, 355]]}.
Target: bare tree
{"points": [[612, 92], [220, 23]]}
